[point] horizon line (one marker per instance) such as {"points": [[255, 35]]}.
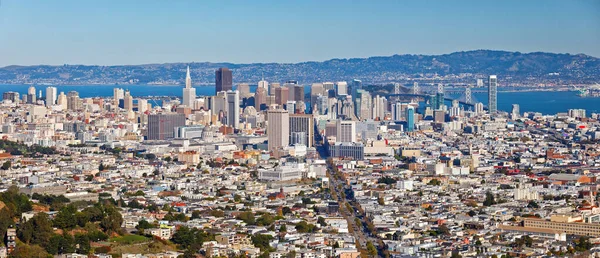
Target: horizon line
{"points": [[290, 63]]}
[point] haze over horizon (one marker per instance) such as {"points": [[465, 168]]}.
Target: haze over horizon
{"points": [[128, 33]]}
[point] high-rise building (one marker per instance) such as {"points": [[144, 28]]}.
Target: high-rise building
{"points": [[189, 92], [328, 86], [362, 105], [51, 96], [298, 93], [493, 94], [272, 88], [439, 97], [290, 106], [397, 111], [244, 90], [479, 108], [577, 113], [410, 119], [260, 98], [516, 112], [118, 94], [31, 97], [128, 101], [281, 95], [278, 129], [346, 131], [303, 123], [142, 105], [62, 101], [162, 126], [223, 80], [379, 107], [263, 84], [356, 85], [342, 88], [12, 96], [233, 108], [73, 101]]}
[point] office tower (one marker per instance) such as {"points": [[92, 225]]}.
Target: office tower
{"points": [[479, 108], [12, 96], [223, 80], [244, 90], [356, 85], [273, 87], [189, 92], [298, 93], [515, 111], [577, 113], [233, 108], [142, 105], [342, 88], [278, 129], [31, 98], [118, 94], [162, 126], [493, 94], [439, 116], [260, 98], [379, 108], [62, 101], [290, 106], [263, 84], [321, 105], [396, 111], [362, 105], [479, 82], [51, 95], [281, 95], [410, 119], [455, 109], [345, 131], [73, 101], [439, 97], [304, 124], [328, 86], [128, 101]]}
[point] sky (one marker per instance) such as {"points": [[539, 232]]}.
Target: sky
{"points": [[111, 32]]}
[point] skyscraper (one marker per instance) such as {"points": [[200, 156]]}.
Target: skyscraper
{"points": [[142, 105], [356, 85], [189, 92], [281, 95], [31, 98], [363, 105], [278, 129], [303, 123], [273, 87], [263, 84], [379, 107], [51, 96], [493, 94], [299, 93], [515, 111], [223, 80], [342, 88], [128, 101], [233, 108], [397, 111], [410, 119], [260, 98], [346, 131], [162, 126], [118, 94], [62, 100]]}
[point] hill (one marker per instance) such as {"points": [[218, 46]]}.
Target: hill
{"points": [[460, 67]]}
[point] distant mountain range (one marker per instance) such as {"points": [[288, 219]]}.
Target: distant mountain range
{"points": [[512, 68]]}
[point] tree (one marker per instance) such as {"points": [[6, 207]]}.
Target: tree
{"points": [[29, 251], [83, 244], [371, 249], [304, 227], [533, 204], [386, 180], [142, 225], [262, 241], [283, 228], [321, 221], [6, 165], [65, 219], [489, 199], [37, 230], [247, 217], [112, 220]]}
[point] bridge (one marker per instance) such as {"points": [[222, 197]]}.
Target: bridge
{"points": [[427, 97]]}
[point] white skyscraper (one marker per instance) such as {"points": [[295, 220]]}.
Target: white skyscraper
{"points": [[379, 107], [264, 84], [345, 131], [233, 108], [142, 105], [189, 92], [278, 129], [51, 96], [397, 111], [342, 88]]}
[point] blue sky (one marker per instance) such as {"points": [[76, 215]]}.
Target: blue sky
{"points": [[150, 31]]}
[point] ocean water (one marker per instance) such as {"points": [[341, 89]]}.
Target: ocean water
{"points": [[546, 102]]}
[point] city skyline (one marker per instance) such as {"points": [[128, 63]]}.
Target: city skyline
{"points": [[149, 33]]}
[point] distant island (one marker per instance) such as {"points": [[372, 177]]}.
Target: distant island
{"points": [[512, 68]]}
